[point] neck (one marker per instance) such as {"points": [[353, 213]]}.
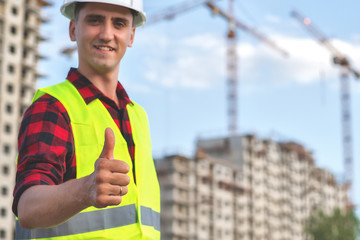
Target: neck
{"points": [[105, 81]]}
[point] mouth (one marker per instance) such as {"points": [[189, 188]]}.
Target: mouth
{"points": [[105, 48]]}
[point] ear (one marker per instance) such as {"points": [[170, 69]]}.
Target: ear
{"points": [[132, 36], [72, 27]]}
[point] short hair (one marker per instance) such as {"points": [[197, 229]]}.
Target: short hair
{"points": [[80, 5]]}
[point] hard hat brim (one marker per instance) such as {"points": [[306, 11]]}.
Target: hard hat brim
{"points": [[67, 10]]}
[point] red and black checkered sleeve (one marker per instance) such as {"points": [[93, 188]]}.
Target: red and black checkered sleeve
{"points": [[46, 147]]}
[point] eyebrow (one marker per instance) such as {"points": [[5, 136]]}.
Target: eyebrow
{"points": [[124, 20]]}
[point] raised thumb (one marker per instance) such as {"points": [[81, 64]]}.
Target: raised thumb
{"points": [[109, 144]]}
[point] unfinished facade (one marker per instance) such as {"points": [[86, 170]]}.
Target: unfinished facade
{"points": [[244, 188], [20, 21]]}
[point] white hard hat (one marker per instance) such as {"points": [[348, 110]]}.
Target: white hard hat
{"points": [[67, 9]]}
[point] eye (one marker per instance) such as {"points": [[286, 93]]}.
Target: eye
{"points": [[119, 24], [93, 20]]}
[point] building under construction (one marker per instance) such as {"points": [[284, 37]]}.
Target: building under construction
{"points": [[20, 22], [244, 188]]}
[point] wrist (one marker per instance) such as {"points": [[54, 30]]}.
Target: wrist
{"points": [[82, 191]]}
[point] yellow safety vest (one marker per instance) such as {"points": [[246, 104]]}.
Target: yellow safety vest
{"points": [[138, 215]]}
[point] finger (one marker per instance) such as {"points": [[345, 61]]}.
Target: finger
{"points": [[119, 179], [109, 144], [118, 166], [124, 190], [117, 190], [109, 200]]}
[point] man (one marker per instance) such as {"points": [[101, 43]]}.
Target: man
{"points": [[85, 169]]}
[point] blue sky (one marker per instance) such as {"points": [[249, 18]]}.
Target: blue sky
{"points": [[177, 71]]}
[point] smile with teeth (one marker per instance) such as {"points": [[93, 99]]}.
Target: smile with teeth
{"points": [[105, 48]]}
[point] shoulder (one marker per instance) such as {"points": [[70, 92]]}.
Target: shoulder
{"points": [[50, 103], [138, 109], [44, 107]]}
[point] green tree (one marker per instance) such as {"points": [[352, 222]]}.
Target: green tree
{"points": [[339, 225]]}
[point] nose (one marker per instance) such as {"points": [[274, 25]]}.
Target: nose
{"points": [[106, 32]]}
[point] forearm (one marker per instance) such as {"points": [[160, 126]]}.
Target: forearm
{"points": [[45, 206]]}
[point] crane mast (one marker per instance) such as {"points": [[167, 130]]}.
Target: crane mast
{"points": [[346, 71], [346, 126], [232, 82], [232, 58]]}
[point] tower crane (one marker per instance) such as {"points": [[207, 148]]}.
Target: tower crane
{"points": [[232, 78], [346, 70], [232, 57]]}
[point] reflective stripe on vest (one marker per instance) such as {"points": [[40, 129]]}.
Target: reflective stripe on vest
{"points": [[88, 123], [150, 217], [93, 221]]}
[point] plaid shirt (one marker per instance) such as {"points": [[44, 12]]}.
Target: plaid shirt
{"points": [[46, 142]]}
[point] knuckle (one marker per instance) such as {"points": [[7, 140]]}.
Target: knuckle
{"points": [[100, 178], [101, 190], [100, 201], [101, 163]]}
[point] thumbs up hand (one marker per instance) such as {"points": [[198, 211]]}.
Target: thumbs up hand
{"points": [[107, 184]]}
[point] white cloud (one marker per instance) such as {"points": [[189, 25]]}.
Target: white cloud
{"points": [[199, 61], [193, 62], [303, 65]]}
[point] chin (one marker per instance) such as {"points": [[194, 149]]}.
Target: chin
{"points": [[105, 68]]}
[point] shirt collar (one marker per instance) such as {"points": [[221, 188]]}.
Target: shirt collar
{"points": [[89, 92]]}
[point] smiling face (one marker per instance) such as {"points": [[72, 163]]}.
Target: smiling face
{"points": [[102, 32]]}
